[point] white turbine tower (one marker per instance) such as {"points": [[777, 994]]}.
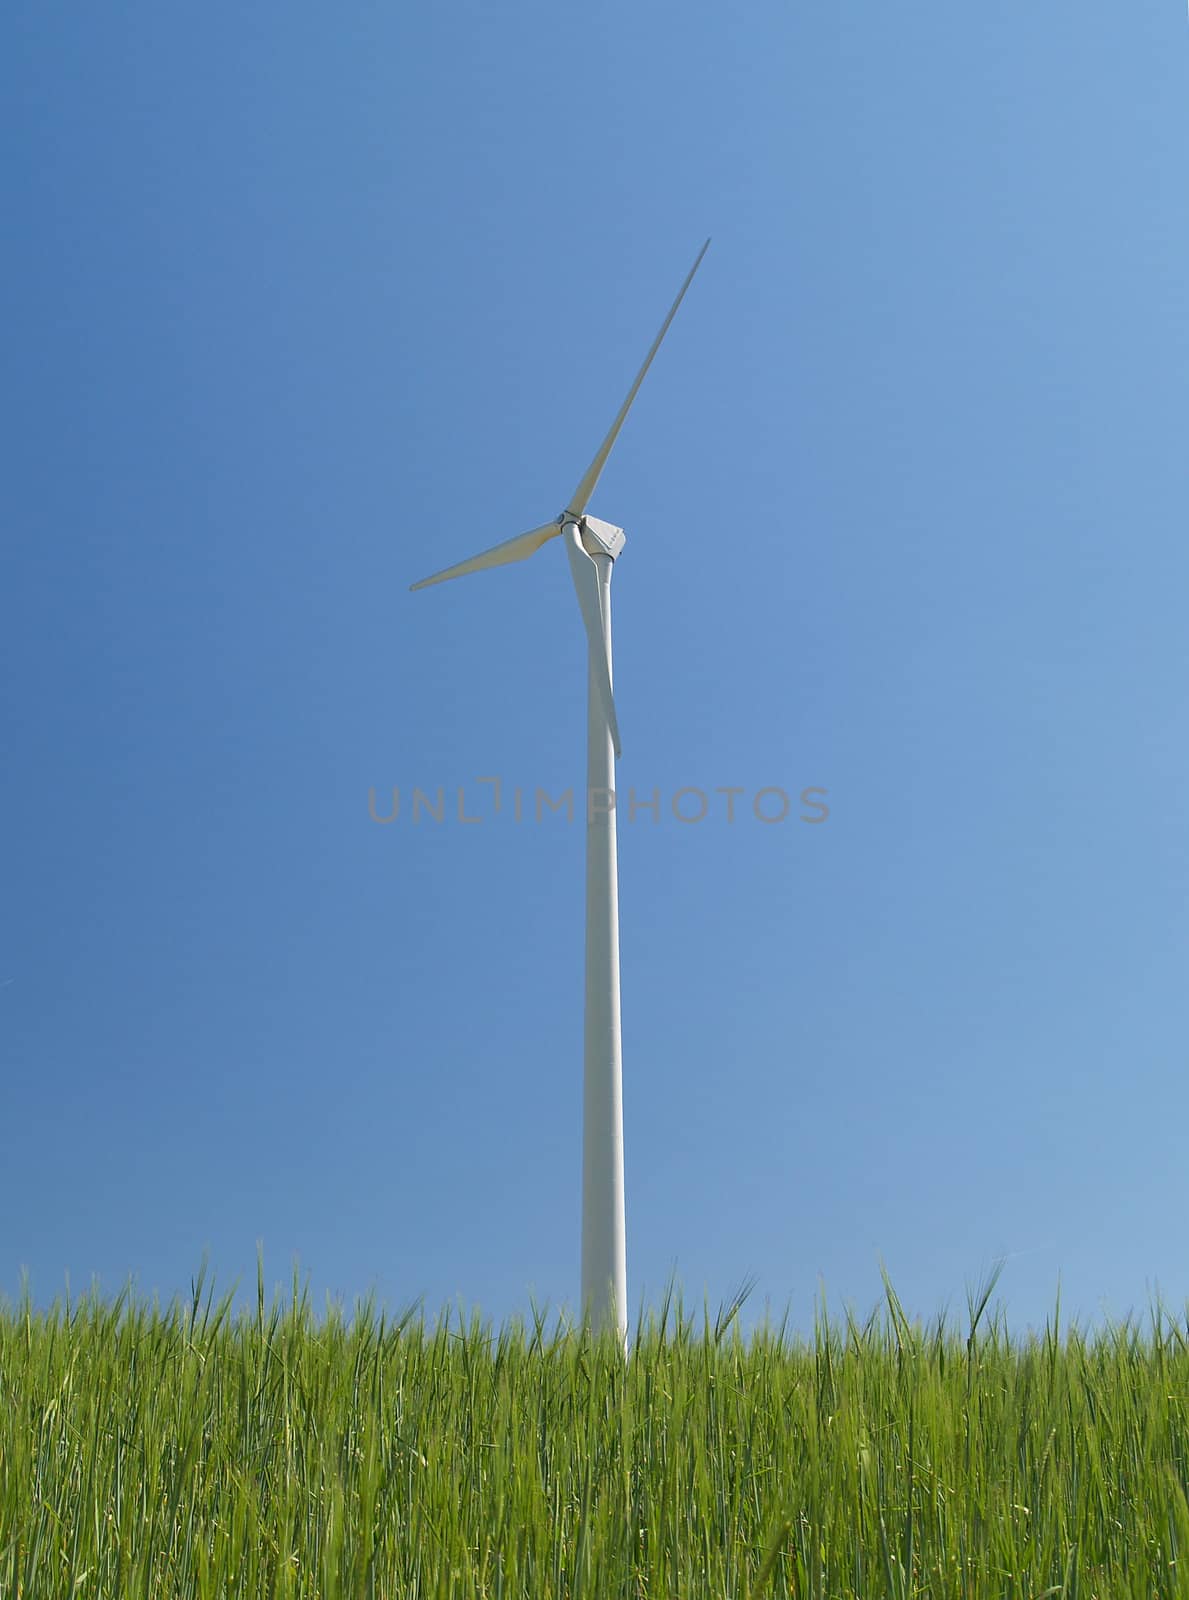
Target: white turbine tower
{"points": [[592, 547]]}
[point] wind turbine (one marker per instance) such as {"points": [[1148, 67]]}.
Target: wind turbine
{"points": [[592, 547]]}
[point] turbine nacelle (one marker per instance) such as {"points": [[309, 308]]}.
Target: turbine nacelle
{"points": [[598, 538]]}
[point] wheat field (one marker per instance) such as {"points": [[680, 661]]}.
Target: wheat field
{"points": [[189, 1452]]}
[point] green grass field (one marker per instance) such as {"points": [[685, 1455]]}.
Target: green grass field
{"points": [[186, 1453]]}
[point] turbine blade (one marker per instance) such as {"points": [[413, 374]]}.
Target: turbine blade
{"points": [[587, 487], [517, 549], [586, 585]]}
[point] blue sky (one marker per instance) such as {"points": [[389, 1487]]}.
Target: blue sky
{"points": [[305, 303]]}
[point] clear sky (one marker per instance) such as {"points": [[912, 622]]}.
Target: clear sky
{"points": [[305, 302]]}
